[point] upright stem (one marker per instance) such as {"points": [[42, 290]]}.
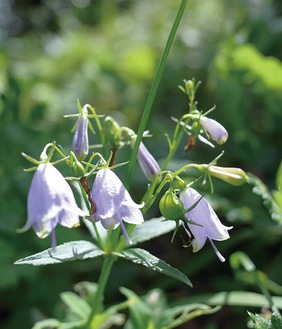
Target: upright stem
{"points": [[101, 285], [153, 91]]}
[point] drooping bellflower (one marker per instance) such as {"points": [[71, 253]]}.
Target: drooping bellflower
{"points": [[147, 162], [50, 202], [216, 131], [113, 202], [80, 144], [209, 225]]}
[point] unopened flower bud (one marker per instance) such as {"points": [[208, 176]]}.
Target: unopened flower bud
{"points": [[77, 166], [215, 130], [233, 176], [80, 145], [171, 206], [190, 87], [147, 162], [111, 129]]}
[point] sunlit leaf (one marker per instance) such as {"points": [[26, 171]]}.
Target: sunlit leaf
{"points": [[65, 252], [143, 257], [140, 312], [151, 229], [76, 304], [234, 298]]}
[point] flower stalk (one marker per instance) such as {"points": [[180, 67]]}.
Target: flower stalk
{"points": [[153, 91], [101, 285]]}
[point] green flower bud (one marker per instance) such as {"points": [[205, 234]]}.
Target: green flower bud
{"points": [[233, 176], [190, 87], [171, 207], [76, 165], [111, 128]]}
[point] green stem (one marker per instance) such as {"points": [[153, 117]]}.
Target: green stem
{"points": [[177, 136], [101, 285], [153, 91]]}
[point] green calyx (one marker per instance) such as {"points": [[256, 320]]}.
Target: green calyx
{"points": [[171, 206]]}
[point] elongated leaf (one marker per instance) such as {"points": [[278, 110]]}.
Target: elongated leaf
{"points": [[76, 304], [143, 257], [65, 252], [140, 312], [47, 323], [234, 298], [181, 315], [151, 229]]}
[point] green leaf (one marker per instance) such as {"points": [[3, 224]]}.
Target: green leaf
{"points": [[76, 304], [258, 67], [279, 178], [260, 322], [107, 320], [182, 314], [276, 321], [47, 323], [65, 252], [234, 298], [151, 229], [143, 257], [140, 312], [271, 201]]}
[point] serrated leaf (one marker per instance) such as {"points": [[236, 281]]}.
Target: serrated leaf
{"points": [[259, 322], [76, 304], [276, 321], [268, 199], [65, 252], [143, 257], [151, 229]]}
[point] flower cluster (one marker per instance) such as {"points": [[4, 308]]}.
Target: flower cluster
{"points": [[51, 200]]}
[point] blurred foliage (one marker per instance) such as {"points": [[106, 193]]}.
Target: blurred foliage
{"points": [[105, 53]]}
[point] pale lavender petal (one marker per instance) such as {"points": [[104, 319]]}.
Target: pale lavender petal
{"points": [[50, 201], [131, 215], [80, 144], [202, 214], [113, 202], [107, 193], [147, 162], [215, 129], [111, 223]]}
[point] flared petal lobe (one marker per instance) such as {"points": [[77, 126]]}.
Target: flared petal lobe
{"points": [[209, 225], [50, 201], [113, 202]]}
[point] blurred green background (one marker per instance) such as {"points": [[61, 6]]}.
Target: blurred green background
{"points": [[105, 53]]}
